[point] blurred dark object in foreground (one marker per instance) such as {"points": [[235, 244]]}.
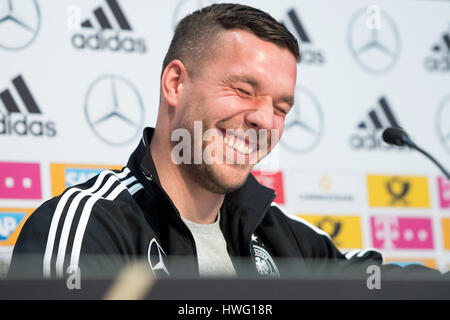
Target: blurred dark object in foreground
{"points": [[136, 282]]}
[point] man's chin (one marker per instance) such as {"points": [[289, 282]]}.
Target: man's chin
{"points": [[232, 179], [221, 179]]}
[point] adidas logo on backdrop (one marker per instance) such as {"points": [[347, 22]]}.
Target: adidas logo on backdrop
{"points": [[310, 54], [368, 136], [17, 121], [108, 29]]}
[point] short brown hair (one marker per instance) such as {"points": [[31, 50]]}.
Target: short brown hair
{"points": [[196, 33]]}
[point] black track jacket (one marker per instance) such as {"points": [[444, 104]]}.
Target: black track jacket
{"points": [[117, 217]]}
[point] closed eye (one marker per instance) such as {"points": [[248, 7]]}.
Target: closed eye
{"points": [[281, 111], [243, 91]]}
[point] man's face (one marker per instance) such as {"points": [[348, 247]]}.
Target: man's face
{"points": [[241, 96]]}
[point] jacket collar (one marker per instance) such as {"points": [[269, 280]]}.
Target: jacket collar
{"points": [[147, 164]]}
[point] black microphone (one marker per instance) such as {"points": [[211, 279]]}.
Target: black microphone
{"points": [[398, 137]]}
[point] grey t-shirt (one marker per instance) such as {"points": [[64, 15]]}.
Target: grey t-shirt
{"points": [[212, 254]]}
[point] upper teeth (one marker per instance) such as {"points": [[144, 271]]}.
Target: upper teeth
{"points": [[238, 146]]}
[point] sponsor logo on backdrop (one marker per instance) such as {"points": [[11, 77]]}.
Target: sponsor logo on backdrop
{"points": [[272, 180], [438, 59], [75, 176], [20, 22], [368, 135], [304, 124], [114, 110], [315, 192], [326, 192], [185, 7], [345, 231], [444, 192], [403, 262], [108, 29], [67, 175], [446, 232], [11, 222], [20, 180], [8, 223], [21, 115], [398, 191], [311, 55], [390, 232], [373, 39], [442, 123]]}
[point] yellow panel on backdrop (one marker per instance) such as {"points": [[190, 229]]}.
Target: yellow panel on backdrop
{"points": [[398, 191], [344, 230], [446, 232]]}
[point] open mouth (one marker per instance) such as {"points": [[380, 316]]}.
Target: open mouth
{"points": [[244, 144]]}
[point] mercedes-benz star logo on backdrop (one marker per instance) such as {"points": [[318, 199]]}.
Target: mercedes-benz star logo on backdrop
{"points": [[114, 110], [19, 23], [185, 7], [304, 123], [443, 123], [375, 47]]}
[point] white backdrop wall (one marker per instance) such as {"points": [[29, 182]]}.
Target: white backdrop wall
{"points": [[80, 79]]}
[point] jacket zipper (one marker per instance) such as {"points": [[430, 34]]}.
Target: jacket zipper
{"points": [[150, 176], [252, 255]]}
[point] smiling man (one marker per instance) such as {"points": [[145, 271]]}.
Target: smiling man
{"points": [[227, 83], [242, 83]]}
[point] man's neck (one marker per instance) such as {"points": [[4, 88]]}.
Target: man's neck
{"points": [[194, 202]]}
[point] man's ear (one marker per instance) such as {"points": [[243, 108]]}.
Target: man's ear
{"points": [[172, 81]]}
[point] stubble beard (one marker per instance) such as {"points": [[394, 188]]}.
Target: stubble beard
{"points": [[217, 177], [207, 177]]}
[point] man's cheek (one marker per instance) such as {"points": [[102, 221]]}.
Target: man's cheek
{"points": [[276, 133]]}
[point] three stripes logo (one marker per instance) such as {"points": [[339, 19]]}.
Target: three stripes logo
{"points": [[73, 214], [376, 121], [309, 53], [378, 118], [439, 59], [105, 29], [25, 118]]}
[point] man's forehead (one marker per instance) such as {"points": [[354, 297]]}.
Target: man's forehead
{"points": [[252, 60], [246, 78], [247, 45], [240, 38]]}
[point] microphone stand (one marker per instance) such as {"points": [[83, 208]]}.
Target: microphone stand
{"points": [[411, 144]]}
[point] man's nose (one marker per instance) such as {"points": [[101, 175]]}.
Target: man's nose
{"points": [[261, 116]]}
